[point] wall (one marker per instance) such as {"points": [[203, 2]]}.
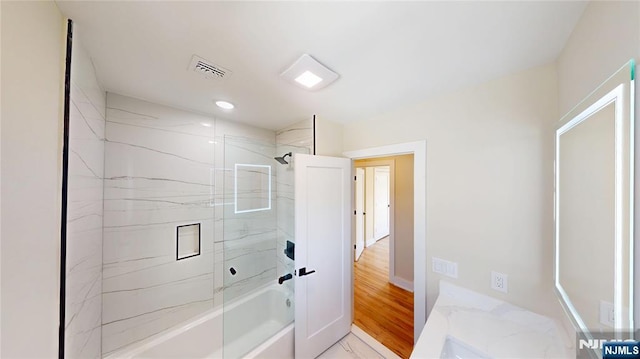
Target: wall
{"points": [[33, 35], [606, 37], [328, 138], [403, 200], [403, 217], [164, 168], [84, 208], [296, 138], [489, 180], [157, 176]]}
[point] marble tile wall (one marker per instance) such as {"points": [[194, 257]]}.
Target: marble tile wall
{"points": [[249, 235], [164, 168], [297, 138], [158, 175], [83, 305]]}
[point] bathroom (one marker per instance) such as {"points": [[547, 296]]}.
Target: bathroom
{"points": [[149, 164]]}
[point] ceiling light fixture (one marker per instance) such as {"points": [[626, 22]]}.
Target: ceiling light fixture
{"points": [[309, 74], [225, 105], [308, 79]]}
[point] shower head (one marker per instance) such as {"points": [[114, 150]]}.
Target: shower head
{"points": [[282, 159]]}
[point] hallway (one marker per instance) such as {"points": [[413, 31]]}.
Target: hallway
{"points": [[381, 309]]}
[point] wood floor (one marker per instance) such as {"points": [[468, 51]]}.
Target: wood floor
{"points": [[382, 309]]}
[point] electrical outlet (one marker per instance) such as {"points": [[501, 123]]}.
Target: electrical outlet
{"points": [[499, 282], [607, 314]]}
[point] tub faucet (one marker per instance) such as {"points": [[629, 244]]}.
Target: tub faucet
{"points": [[284, 278]]}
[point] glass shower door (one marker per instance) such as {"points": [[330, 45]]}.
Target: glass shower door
{"points": [[249, 245]]}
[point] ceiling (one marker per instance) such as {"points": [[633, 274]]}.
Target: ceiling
{"points": [[388, 54]]}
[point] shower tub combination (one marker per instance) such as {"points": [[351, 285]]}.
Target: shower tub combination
{"points": [[257, 318]]}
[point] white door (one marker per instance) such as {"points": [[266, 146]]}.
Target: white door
{"points": [[323, 282], [381, 202], [359, 213]]}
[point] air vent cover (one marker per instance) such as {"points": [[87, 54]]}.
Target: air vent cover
{"points": [[207, 68]]}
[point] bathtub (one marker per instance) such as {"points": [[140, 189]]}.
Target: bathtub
{"points": [[202, 337]]}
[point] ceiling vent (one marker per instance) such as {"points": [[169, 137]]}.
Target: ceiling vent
{"points": [[207, 68]]}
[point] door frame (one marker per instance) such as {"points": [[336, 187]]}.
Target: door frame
{"points": [[419, 151]]}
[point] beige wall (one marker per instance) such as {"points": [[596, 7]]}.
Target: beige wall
{"points": [[489, 180], [402, 212], [403, 217], [605, 38], [32, 75], [328, 138]]}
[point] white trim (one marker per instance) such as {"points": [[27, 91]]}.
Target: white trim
{"points": [[374, 344], [402, 283], [615, 96], [419, 150], [369, 242]]}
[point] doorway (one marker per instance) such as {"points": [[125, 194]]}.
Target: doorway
{"points": [[383, 261]]}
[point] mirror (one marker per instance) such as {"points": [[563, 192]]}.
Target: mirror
{"points": [[594, 209]]}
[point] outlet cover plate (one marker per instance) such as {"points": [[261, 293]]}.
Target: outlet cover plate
{"points": [[444, 267], [499, 282]]}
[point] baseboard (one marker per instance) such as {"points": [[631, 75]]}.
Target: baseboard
{"points": [[373, 343], [402, 283], [370, 242]]}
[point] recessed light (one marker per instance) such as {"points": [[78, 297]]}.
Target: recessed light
{"points": [[308, 79], [206, 124], [225, 105], [213, 142]]}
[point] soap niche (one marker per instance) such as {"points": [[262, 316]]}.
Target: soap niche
{"points": [[187, 241]]}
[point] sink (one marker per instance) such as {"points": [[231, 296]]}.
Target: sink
{"points": [[455, 349]]}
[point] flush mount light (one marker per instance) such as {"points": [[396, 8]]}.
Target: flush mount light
{"points": [[308, 79], [225, 105], [309, 74]]}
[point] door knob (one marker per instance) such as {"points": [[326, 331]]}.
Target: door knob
{"points": [[303, 271]]}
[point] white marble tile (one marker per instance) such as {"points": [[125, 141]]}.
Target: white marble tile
{"points": [[299, 134], [490, 326], [297, 138], [84, 211], [158, 175], [165, 168], [350, 347]]}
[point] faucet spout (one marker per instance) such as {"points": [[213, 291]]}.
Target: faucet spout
{"points": [[285, 278]]}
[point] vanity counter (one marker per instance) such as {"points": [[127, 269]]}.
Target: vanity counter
{"points": [[489, 328]]}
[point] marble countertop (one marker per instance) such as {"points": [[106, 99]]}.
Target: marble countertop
{"points": [[493, 327]]}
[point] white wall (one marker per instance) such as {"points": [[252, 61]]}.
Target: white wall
{"points": [[489, 180], [33, 35], [605, 38]]}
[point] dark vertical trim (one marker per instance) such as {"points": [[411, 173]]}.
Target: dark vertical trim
{"points": [[314, 134], [65, 189]]}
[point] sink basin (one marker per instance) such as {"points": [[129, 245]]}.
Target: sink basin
{"points": [[455, 349]]}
